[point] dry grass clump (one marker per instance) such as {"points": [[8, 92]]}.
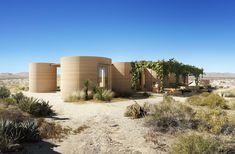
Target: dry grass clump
{"points": [[229, 93], [170, 114], [80, 129], [215, 121], [101, 94], [79, 96], [195, 144], [13, 114], [85, 94], [231, 104], [135, 111], [52, 130], [208, 99]]}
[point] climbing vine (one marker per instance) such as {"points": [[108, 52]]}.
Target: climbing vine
{"points": [[163, 69]]}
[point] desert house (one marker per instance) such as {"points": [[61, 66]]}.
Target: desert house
{"points": [[100, 71]]}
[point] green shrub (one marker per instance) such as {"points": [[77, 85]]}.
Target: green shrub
{"points": [[135, 111], [210, 100], [26, 103], [4, 92], [8, 101], [195, 144], [103, 94], [41, 109], [171, 114], [35, 107], [18, 97]]}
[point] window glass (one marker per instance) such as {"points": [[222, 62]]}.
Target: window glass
{"points": [[103, 76]]}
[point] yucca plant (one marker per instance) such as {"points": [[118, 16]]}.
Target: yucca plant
{"points": [[41, 109], [18, 132], [35, 107], [103, 94], [26, 103], [18, 97]]}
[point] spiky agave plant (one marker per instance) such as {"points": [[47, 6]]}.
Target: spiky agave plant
{"points": [[18, 132], [41, 109]]}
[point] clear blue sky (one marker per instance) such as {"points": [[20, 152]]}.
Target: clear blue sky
{"points": [[198, 32]]}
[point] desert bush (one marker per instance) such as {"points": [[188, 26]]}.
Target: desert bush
{"points": [[214, 121], [13, 114], [209, 99], [41, 109], [229, 93], [52, 130], [18, 97], [195, 144], [135, 111], [171, 114], [103, 94], [8, 101], [79, 96], [35, 107], [4, 92], [12, 132]]}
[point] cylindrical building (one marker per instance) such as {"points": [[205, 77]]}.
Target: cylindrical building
{"points": [[42, 77], [77, 69]]}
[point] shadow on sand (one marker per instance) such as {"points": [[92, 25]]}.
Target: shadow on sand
{"points": [[42, 147]]}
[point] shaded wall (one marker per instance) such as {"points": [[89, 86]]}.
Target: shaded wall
{"points": [[75, 70], [42, 77], [121, 77]]}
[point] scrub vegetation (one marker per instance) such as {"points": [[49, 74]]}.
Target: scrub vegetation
{"points": [[206, 119], [21, 121], [90, 92]]}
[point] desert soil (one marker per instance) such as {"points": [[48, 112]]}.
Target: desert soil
{"points": [[109, 131]]}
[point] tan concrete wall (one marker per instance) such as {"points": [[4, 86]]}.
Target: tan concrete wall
{"points": [[42, 77], [75, 70], [121, 77], [151, 79]]}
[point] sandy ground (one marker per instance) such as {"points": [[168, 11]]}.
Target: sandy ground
{"points": [[109, 131]]}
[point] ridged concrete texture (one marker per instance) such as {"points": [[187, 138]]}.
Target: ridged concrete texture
{"points": [[75, 70], [121, 77], [42, 77]]}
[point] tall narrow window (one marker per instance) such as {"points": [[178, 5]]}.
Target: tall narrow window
{"points": [[103, 76]]}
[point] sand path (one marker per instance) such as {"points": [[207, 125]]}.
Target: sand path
{"points": [[109, 131]]}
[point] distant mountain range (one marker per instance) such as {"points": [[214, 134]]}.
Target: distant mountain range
{"points": [[25, 75], [219, 75], [22, 75]]}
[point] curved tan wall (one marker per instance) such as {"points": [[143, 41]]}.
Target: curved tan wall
{"points": [[121, 77], [42, 77], [75, 70]]}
